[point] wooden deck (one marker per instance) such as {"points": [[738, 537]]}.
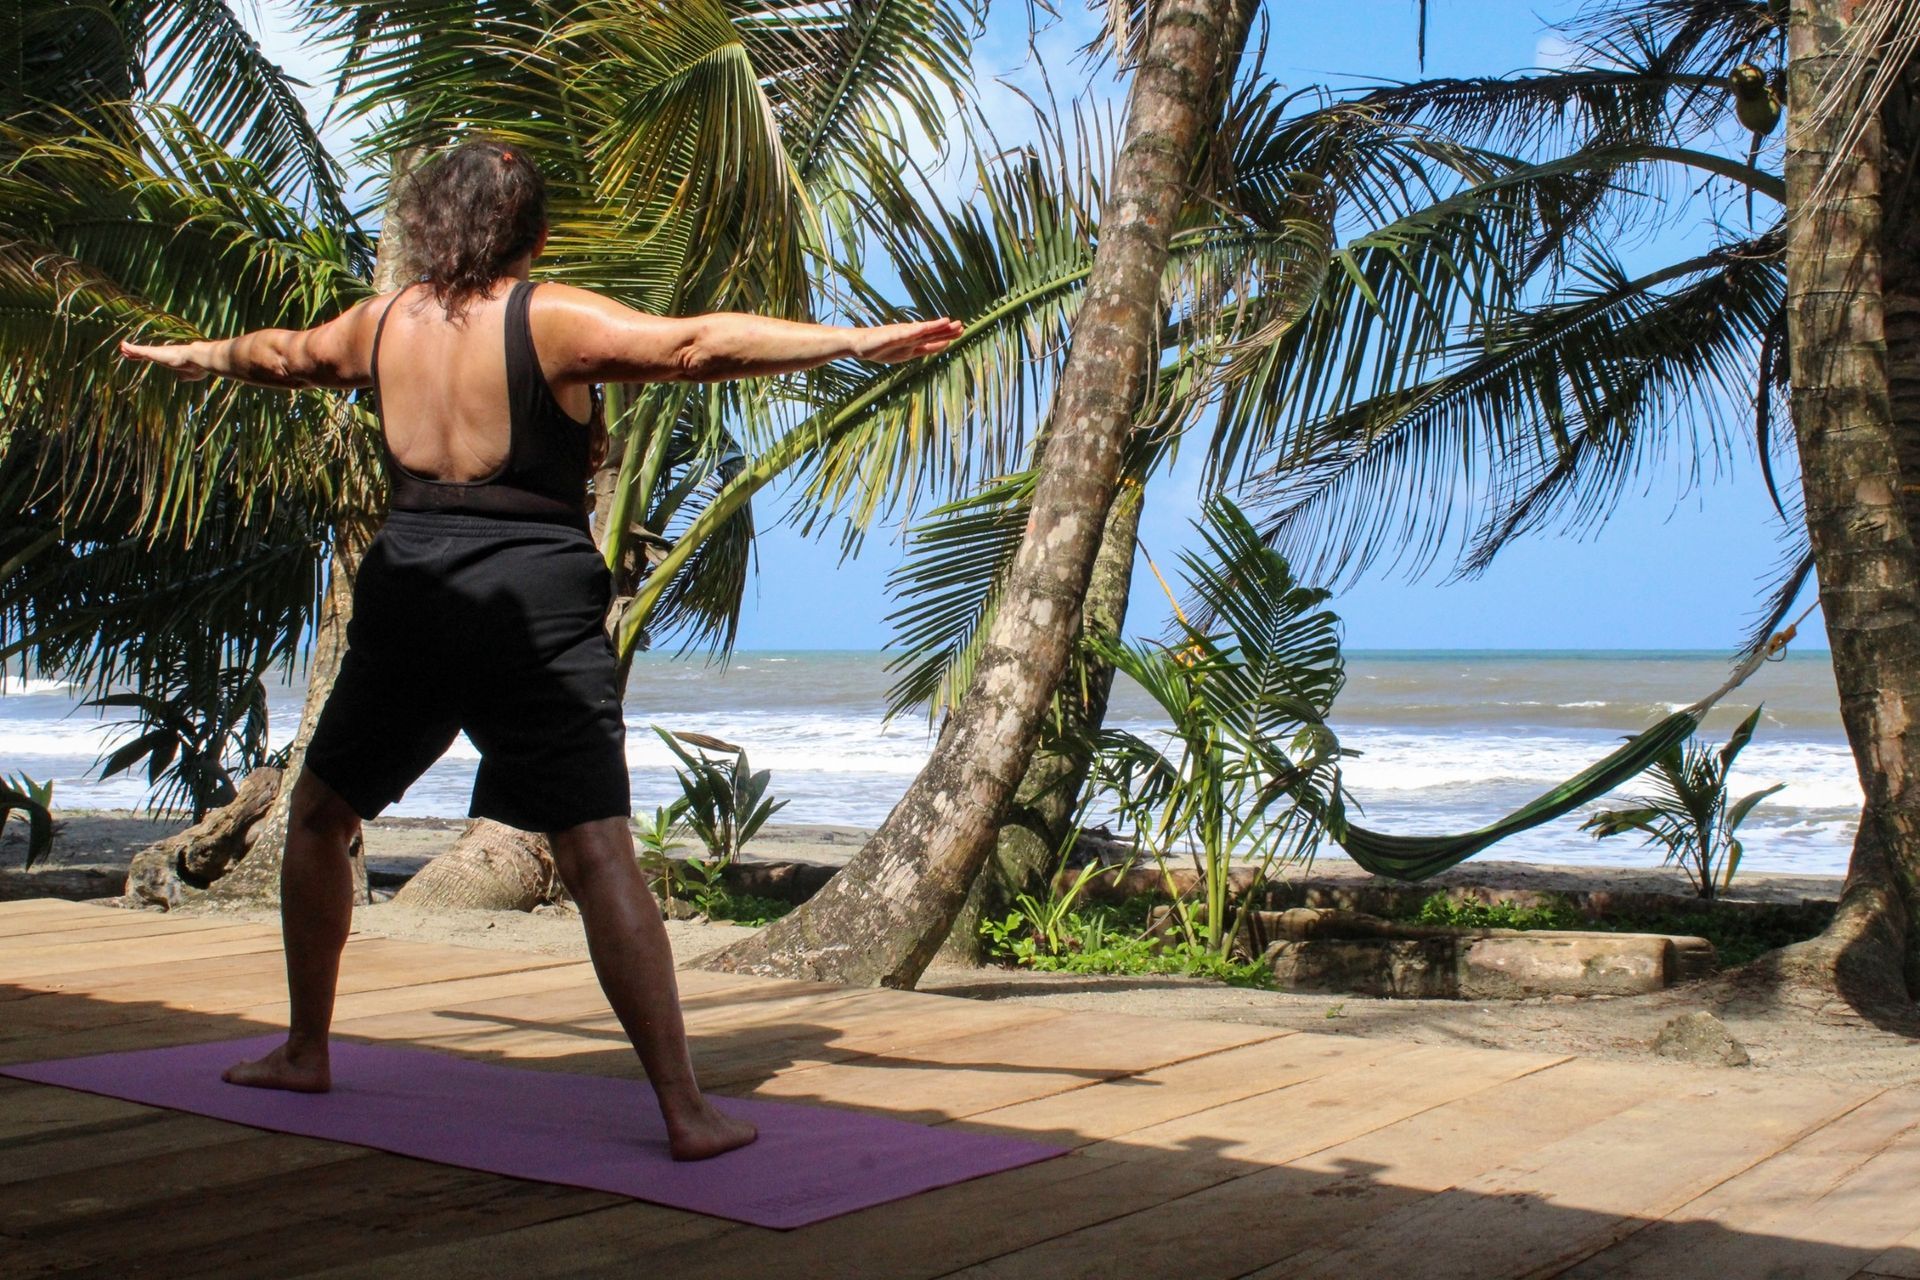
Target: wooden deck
{"points": [[1200, 1149]]}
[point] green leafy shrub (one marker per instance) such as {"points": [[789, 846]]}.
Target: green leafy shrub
{"points": [[194, 729], [1442, 910], [1107, 940], [723, 801], [1250, 770], [34, 802], [1688, 812], [695, 881]]}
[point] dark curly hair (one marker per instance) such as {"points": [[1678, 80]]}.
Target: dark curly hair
{"points": [[467, 214]]}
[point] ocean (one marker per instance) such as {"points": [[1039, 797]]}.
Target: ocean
{"points": [[1447, 740]]}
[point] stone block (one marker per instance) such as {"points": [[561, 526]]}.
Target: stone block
{"points": [[1516, 965]]}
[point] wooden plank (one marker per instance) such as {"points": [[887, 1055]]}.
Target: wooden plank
{"points": [[238, 981], [1827, 1206], [150, 1133], [31, 1110], [1253, 1214], [735, 1046], [1112, 1045], [77, 1016], [1571, 1199], [191, 989], [31, 914], [1131, 1102], [24, 1261], [127, 924], [898, 1086], [1183, 1089], [34, 970], [41, 1205], [966, 1060], [1902, 1262], [627, 1236], [875, 1021], [1379, 1083], [309, 1218], [929, 1235], [138, 977], [25, 928]]}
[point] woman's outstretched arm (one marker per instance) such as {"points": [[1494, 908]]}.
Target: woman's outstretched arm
{"points": [[582, 337], [330, 355], [587, 338]]}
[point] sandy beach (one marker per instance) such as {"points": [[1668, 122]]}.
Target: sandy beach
{"points": [[92, 848]]}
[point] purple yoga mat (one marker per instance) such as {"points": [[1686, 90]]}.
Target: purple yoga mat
{"points": [[810, 1163]]}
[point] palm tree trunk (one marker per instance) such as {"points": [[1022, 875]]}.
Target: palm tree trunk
{"points": [[1900, 267], [492, 867], [255, 878], [1041, 817], [1863, 543], [881, 920]]}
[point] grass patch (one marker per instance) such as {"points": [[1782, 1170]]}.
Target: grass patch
{"points": [[739, 908], [1738, 936], [1111, 940]]}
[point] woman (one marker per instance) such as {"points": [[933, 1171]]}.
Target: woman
{"points": [[481, 604]]}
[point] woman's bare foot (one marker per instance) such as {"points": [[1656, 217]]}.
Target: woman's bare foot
{"points": [[284, 1068], [706, 1131]]}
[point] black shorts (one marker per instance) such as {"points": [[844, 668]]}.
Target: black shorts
{"points": [[495, 627]]}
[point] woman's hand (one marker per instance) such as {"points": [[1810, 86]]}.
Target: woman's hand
{"points": [[181, 357], [897, 343]]}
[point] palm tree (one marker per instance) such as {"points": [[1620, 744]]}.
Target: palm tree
{"points": [[1689, 813], [1440, 419], [1255, 247], [160, 176], [881, 920], [1592, 373], [1401, 429], [700, 154]]}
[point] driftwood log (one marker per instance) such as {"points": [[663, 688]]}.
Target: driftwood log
{"points": [[181, 867]]}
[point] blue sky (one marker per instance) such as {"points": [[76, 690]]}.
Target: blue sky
{"points": [[1677, 567]]}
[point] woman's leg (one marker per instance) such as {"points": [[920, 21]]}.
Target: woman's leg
{"points": [[316, 913], [631, 954]]}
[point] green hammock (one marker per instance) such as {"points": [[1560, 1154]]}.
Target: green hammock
{"points": [[1418, 857]]}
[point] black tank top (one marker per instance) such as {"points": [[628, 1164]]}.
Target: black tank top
{"points": [[547, 467]]}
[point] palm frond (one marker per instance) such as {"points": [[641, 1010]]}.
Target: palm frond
{"points": [[198, 56], [1244, 602], [1546, 417], [101, 243], [950, 583], [837, 73]]}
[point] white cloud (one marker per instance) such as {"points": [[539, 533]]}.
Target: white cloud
{"points": [[1555, 52]]}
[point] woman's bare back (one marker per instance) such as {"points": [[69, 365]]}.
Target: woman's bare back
{"points": [[443, 386]]}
